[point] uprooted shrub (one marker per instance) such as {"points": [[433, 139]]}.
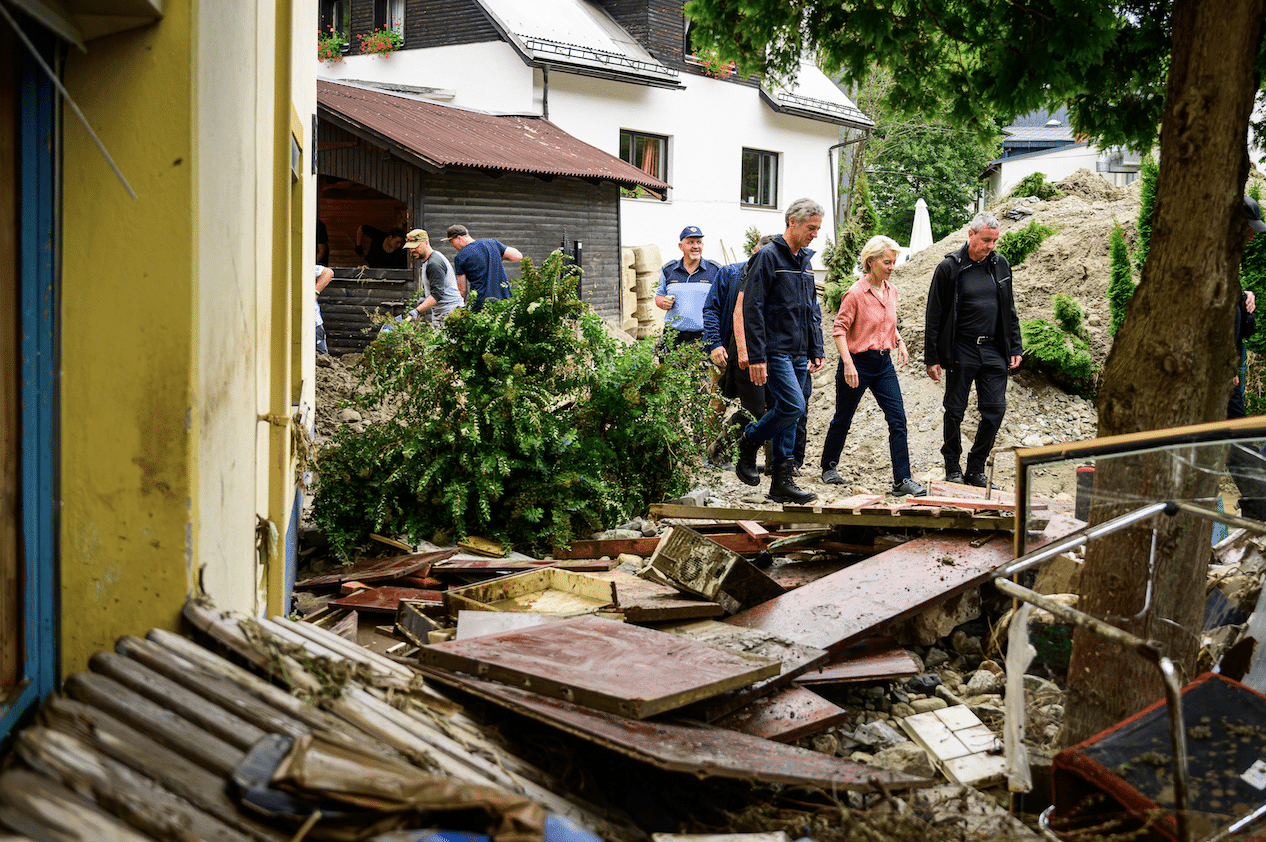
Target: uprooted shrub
{"points": [[1035, 184], [525, 422], [1060, 349], [1016, 246]]}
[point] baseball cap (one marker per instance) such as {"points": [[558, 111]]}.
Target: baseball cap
{"points": [[456, 231], [416, 238], [690, 231], [1253, 215]]}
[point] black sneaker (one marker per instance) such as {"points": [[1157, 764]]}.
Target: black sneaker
{"points": [[977, 479], [908, 487], [954, 476], [832, 477]]}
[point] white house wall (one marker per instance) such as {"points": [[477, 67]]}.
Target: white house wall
{"points": [[1055, 165]]}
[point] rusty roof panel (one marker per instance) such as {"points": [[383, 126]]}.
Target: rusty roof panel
{"points": [[443, 136]]}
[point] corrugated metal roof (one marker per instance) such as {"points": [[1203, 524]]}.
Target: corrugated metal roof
{"points": [[440, 136]]}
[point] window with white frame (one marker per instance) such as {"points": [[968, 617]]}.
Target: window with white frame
{"points": [[647, 152], [759, 179]]}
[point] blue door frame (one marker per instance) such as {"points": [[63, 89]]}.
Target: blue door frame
{"points": [[39, 243]]}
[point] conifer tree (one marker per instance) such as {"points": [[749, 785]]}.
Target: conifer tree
{"points": [[1121, 284], [1147, 200]]}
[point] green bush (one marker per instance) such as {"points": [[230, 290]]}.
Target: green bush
{"points": [[525, 422], [1121, 283], [1149, 169], [1016, 246], [1060, 350], [750, 238], [1035, 184], [839, 275]]}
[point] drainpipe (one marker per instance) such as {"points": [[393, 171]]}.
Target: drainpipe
{"points": [[545, 91], [835, 177]]}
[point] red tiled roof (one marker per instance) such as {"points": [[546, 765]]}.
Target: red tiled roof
{"points": [[443, 136]]}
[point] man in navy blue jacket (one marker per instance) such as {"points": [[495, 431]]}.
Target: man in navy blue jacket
{"points": [[718, 340], [782, 325]]}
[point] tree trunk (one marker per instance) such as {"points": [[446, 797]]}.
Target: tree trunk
{"points": [[1171, 364]]}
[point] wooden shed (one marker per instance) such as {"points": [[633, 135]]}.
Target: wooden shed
{"points": [[389, 159]]}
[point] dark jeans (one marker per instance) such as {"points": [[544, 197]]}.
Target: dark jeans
{"points": [[786, 385], [984, 366], [876, 373]]}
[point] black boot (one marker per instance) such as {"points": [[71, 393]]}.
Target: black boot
{"points": [[784, 489], [745, 468]]}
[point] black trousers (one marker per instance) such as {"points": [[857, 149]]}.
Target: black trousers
{"points": [[984, 366]]}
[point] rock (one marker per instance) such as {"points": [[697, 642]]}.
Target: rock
{"points": [[630, 560], [925, 705], [861, 757], [649, 529], [1035, 684], [616, 534], [696, 497], [983, 681], [906, 757], [825, 743], [926, 683], [901, 710], [965, 644], [1032, 440], [754, 497], [935, 658], [951, 678], [348, 415], [988, 710], [878, 735], [992, 666], [969, 813], [932, 624]]}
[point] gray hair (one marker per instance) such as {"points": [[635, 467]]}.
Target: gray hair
{"points": [[765, 240], [984, 219], [876, 246], [802, 209]]}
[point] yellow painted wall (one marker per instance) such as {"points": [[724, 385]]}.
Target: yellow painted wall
{"points": [[171, 309]]}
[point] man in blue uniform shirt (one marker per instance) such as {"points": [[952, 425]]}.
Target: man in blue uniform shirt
{"points": [[684, 286]]}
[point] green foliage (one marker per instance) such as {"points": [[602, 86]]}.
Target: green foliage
{"points": [[922, 157], [1253, 279], [1121, 284], [1060, 349], [991, 61], [1035, 184], [1016, 246], [840, 258], [330, 46], [524, 422], [1148, 172], [839, 275], [750, 238]]}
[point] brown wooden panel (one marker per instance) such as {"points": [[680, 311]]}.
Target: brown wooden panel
{"points": [[610, 666], [786, 716], [386, 600], [644, 602], [376, 570], [704, 752], [866, 660], [861, 600]]}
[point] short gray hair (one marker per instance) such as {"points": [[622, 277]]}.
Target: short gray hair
{"points": [[802, 209], [984, 219]]}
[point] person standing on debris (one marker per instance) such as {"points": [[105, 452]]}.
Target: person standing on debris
{"points": [[382, 249], [479, 267], [972, 333], [442, 296], [720, 343], [1246, 465], [782, 325], [684, 285], [865, 332]]}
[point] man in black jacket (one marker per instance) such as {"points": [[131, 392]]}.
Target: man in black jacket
{"points": [[972, 332]]}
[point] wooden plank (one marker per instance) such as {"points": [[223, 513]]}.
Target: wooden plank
{"points": [[832, 518], [872, 659], [748, 585], [739, 542], [164, 726], [619, 668], [645, 602], [861, 600], [471, 624], [113, 739], [386, 600], [752, 528], [701, 751], [133, 797], [785, 716], [43, 809], [377, 570], [855, 503], [794, 659], [978, 504], [577, 562], [546, 591]]}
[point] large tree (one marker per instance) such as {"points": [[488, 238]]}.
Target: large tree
{"points": [[1187, 68], [912, 157]]}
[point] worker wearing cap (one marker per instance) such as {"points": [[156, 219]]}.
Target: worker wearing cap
{"points": [[478, 266], [684, 285], [442, 296]]}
